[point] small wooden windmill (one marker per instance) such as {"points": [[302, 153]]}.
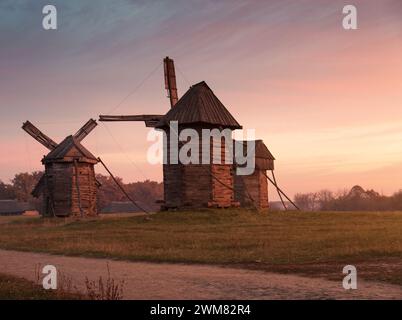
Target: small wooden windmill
{"points": [[68, 187]]}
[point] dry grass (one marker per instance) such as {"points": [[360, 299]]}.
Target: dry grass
{"points": [[14, 288], [108, 289], [218, 236], [8, 219]]}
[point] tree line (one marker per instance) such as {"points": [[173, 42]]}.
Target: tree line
{"points": [[146, 192], [356, 199]]}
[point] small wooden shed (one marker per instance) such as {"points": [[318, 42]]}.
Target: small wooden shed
{"points": [[199, 185], [252, 190]]}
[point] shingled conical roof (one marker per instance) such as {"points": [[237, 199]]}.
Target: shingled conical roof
{"points": [[200, 105]]}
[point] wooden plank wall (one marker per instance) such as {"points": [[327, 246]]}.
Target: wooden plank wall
{"points": [[256, 186], [263, 192], [196, 185], [172, 180], [193, 185], [222, 187], [59, 188], [88, 189], [61, 192]]}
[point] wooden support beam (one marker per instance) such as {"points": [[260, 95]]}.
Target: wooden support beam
{"points": [[279, 194], [283, 193], [150, 119], [121, 187]]}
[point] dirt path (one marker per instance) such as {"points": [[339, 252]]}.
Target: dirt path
{"points": [[180, 281]]}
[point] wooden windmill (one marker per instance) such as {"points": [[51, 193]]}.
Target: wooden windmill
{"points": [[192, 185], [205, 185], [199, 185], [68, 186]]}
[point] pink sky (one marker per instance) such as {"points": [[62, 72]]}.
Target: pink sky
{"points": [[327, 102]]}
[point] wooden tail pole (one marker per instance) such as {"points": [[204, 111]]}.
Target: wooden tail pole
{"points": [[279, 194], [279, 189], [121, 188]]}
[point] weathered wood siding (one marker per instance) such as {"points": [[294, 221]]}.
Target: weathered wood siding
{"points": [[87, 190], [199, 185], [253, 186], [196, 185], [222, 186], [58, 197], [263, 200], [172, 179], [61, 195]]}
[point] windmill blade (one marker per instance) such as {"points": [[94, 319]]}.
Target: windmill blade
{"points": [[38, 135], [85, 130], [170, 81]]}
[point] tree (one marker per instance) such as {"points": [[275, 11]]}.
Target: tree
{"points": [[306, 201], [325, 199], [6, 191], [108, 191], [147, 192], [24, 183]]}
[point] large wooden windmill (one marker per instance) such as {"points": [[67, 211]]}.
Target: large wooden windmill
{"points": [[205, 185], [68, 186], [192, 185]]}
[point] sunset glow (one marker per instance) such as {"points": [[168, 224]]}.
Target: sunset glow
{"points": [[327, 102]]}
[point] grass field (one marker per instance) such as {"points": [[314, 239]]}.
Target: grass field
{"points": [[13, 288], [318, 244]]}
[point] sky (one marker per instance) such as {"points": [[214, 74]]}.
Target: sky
{"points": [[326, 101]]}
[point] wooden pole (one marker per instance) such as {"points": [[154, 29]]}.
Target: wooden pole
{"points": [[121, 187], [279, 194], [279, 189]]}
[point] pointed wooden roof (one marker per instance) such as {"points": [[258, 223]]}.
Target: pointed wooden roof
{"points": [[199, 105], [69, 147], [260, 149], [264, 160]]}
